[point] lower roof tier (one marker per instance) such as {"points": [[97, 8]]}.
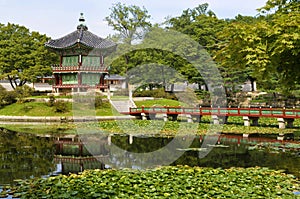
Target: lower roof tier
{"points": [[77, 69]]}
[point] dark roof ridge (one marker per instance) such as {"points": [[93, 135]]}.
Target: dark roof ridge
{"points": [[82, 36]]}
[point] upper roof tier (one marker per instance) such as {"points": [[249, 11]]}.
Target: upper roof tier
{"points": [[80, 37]]}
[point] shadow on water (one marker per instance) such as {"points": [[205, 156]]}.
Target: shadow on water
{"points": [[25, 156]]}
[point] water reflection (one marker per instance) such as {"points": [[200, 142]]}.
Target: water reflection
{"points": [[25, 156], [229, 151]]}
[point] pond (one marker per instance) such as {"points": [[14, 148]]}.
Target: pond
{"points": [[25, 156]]}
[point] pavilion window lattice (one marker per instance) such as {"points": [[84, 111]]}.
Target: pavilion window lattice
{"points": [[89, 61], [70, 61], [70, 79], [91, 79]]}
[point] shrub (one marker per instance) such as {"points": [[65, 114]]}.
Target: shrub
{"points": [[98, 101], [6, 97], [156, 93], [121, 92], [60, 107], [51, 101], [23, 92]]}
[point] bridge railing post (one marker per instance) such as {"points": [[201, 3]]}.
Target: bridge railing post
{"points": [[143, 109], [260, 111]]}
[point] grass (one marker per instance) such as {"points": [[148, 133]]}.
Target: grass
{"points": [[32, 109], [42, 109], [42, 128], [235, 124], [159, 102], [47, 97]]}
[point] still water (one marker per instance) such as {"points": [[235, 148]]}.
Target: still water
{"points": [[24, 156]]}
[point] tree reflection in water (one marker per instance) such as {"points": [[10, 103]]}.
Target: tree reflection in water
{"points": [[24, 156]]}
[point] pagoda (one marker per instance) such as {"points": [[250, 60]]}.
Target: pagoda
{"points": [[81, 64]]}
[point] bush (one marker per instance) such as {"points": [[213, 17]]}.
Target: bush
{"points": [[60, 107], [6, 97], [121, 92], [156, 93], [51, 100], [98, 101], [23, 92]]}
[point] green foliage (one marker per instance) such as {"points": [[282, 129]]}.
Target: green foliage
{"points": [[98, 101], [164, 182], [43, 109], [6, 97], [60, 107], [51, 100], [200, 24], [265, 48], [129, 21], [23, 56], [42, 128], [121, 92], [235, 125], [22, 92], [156, 93], [33, 109], [36, 159], [159, 102]]}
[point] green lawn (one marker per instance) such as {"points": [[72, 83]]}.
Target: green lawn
{"points": [[42, 109], [159, 102], [32, 109]]}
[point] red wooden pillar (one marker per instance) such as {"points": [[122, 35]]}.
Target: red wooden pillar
{"points": [[79, 77], [60, 79], [56, 77], [60, 61], [101, 80]]}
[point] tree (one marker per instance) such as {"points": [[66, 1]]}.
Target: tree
{"points": [[283, 6], [243, 54], [200, 24], [266, 47], [23, 56], [285, 41], [129, 21], [203, 26]]}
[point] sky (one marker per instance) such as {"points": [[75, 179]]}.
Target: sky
{"points": [[56, 18]]}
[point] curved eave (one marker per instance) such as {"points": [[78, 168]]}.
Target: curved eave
{"points": [[78, 45]]}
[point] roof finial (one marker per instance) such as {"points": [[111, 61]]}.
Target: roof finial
{"points": [[82, 24], [81, 18]]}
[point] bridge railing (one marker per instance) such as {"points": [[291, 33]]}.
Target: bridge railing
{"points": [[251, 112]]}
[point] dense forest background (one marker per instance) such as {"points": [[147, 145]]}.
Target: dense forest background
{"points": [[263, 49]]}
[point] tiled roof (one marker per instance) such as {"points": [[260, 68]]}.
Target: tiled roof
{"points": [[114, 77], [81, 36]]}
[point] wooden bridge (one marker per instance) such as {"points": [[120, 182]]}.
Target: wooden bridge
{"points": [[283, 115]]}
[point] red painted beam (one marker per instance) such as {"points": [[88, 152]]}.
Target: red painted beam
{"points": [[250, 112]]}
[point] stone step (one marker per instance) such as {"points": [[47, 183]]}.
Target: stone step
{"points": [[122, 106]]}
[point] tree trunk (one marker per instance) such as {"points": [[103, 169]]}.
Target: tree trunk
{"points": [[252, 80], [11, 83], [206, 87], [22, 82]]}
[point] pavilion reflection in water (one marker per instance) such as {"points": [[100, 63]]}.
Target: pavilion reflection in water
{"points": [[25, 156], [230, 150]]}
